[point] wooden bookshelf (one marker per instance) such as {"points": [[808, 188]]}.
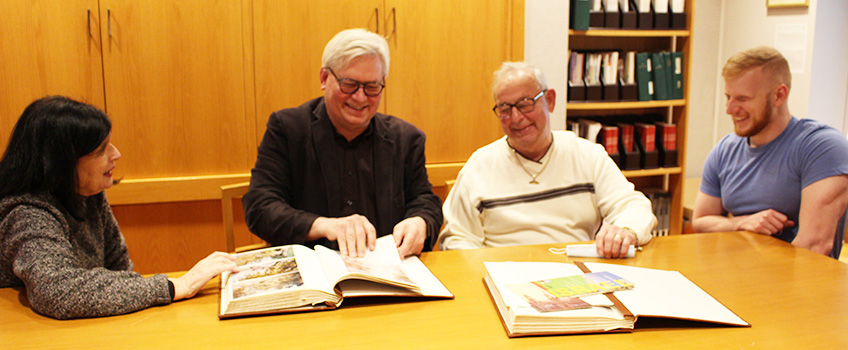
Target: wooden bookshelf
{"points": [[674, 111]]}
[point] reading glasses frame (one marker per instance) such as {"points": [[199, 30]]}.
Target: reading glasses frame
{"points": [[525, 105], [346, 84]]}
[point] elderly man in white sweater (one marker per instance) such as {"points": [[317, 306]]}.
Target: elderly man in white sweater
{"points": [[537, 186]]}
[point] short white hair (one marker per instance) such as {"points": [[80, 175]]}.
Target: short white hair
{"points": [[352, 43], [508, 68]]}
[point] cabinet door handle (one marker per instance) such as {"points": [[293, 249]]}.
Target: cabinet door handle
{"points": [[394, 25], [109, 20], [377, 18], [88, 20]]}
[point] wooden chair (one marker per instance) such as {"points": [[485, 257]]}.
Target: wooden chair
{"points": [[228, 194]]}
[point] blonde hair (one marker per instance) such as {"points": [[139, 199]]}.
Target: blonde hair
{"points": [[508, 68], [352, 43], [774, 65]]}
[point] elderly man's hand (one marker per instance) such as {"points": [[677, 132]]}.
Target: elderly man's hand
{"points": [[613, 241]]}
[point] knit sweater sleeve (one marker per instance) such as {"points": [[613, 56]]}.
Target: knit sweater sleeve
{"points": [[63, 274]]}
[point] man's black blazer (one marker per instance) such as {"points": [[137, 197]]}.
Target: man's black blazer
{"points": [[296, 177]]}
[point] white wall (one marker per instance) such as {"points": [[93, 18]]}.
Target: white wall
{"points": [[546, 46], [818, 84], [829, 71], [701, 110]]}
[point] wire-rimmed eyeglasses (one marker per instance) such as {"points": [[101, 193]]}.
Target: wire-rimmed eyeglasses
{"points": [[504, 110]]}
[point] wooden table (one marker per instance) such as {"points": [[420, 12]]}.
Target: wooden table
{"points": [[793, 298]]}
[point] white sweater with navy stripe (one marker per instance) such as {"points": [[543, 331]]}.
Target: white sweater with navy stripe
{"points": [[493, 203]]}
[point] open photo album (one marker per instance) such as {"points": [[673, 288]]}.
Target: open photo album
{"points": [[296, 278]]}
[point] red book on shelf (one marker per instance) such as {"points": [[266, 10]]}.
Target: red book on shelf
{"points": [[609, 138], [626, 132], [667, 133], [647, 136]]}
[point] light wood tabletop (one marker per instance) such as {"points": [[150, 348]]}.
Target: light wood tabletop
{"points": [[793, 298]]}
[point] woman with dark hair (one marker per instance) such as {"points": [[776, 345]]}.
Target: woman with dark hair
{"points": [[58, 237]]}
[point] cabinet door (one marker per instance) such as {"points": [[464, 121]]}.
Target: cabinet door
{"points": [[443, 55], [175, 86], [46, 49], [289, 39]]}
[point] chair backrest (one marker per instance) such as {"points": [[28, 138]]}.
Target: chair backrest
{"points": [[228, 194]]}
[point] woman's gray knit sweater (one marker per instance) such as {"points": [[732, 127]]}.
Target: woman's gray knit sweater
{"points": [[71, 268]]}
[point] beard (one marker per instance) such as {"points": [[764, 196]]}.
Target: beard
{"points": [[758, 123]]}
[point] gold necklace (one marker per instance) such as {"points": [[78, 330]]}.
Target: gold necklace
{"points": [[544, 165]]}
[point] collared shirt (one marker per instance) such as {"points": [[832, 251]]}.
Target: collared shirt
{"points": [[356, 172]]}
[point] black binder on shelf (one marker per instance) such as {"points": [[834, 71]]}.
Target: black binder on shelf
{"points": [[610, 73], [666, 144], [645, 16], [576, 87], [612, 17], [629, 14], [678, 14], [611, 92], [596, 14], [629, 155], [661, 15], [594, 92], [645, 141], [576, 92], [627, 77]]}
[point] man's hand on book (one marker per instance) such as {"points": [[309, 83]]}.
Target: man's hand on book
{"points": [[186, 286], [613, 241], [410, 235], [354, 233]]}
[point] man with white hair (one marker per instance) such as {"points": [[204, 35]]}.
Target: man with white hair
{"points": [[537, 186], [337, 173]]}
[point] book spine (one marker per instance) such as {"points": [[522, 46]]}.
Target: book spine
{"points": [[647, 135], [610, 139]]}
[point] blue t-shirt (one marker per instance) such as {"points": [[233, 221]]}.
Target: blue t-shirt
{"points": [[749, 180]]}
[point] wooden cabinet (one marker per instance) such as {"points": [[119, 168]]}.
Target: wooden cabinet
{"points": [[175, 86], [443, 54], [673, 111], [47, 47]]}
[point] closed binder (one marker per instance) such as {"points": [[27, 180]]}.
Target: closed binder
{"points": [[677, 75], [643, 76], [659, 76], [579, 14]]}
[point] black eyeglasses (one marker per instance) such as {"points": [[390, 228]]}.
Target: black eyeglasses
{"points": [[526, 105], [350, 86]]}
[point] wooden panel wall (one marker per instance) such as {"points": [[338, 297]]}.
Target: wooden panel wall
{"points": [[189, 85]]}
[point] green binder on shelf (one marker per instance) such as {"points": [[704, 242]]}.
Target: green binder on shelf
{"points": [[643, 76], [579, 14], [677, 74], [659, 76], [669, 70]]}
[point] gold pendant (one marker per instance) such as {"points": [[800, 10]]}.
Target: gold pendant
{"points": [[534, 181]]}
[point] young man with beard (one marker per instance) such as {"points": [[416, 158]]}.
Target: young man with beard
{"points": [[777, 175]]}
